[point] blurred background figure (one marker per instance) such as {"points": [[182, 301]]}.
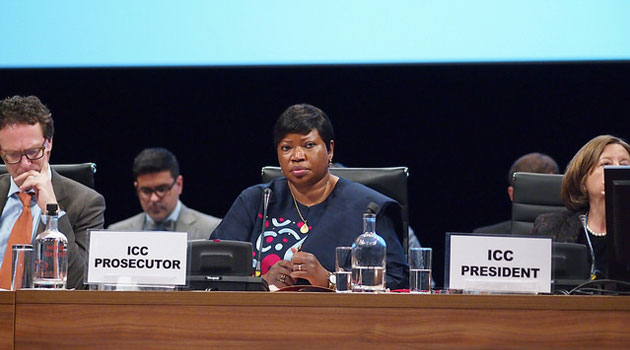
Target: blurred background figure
{"points": [[159, 184], [531, 163]]}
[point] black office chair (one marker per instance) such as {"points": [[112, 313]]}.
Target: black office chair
{"points": [[534, 194], [83, 172], [391, 182]]}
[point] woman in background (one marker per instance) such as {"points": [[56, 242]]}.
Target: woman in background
{"points": [[583, 195], [311, 211]]}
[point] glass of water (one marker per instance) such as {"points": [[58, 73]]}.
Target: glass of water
{"points": [[420, 270], [343, 269]]}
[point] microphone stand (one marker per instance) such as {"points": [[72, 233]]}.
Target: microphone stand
{"points": [[266, 196], [590, 245]]}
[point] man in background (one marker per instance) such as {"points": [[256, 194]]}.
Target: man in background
{"points": [[530, 163], [159, 184], [26, 140]]}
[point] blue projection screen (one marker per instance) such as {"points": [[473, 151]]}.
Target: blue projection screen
{"points": [[117, 33]]}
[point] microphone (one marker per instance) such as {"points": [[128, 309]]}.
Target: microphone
{"points": [[590, 246], [265, 198]]}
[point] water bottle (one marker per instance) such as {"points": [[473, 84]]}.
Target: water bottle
{"points": [[50, 265], [369, 253]]}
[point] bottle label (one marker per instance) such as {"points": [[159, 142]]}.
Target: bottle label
{"points": [[51, 261]]}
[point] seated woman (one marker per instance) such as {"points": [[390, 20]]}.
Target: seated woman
{"points": [[311, 211], [583, 195]]}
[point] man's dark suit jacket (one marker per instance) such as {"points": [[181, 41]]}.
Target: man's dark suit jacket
{"points": [[84, 209]]}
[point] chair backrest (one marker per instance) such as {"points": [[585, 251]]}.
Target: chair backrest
{"points": [[83, 172], [534, 194], [391, 182]]}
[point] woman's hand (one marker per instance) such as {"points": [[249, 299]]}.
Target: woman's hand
{"points": [[306, 266], [280, 274]]}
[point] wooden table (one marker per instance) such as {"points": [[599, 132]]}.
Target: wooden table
{"points": [[7, 305], [197, 320]]}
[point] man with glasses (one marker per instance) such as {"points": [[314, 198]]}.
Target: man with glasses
{"points": [[26, 140], [159, 184]]}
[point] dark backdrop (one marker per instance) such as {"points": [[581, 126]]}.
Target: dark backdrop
{"points": [[457, 127]]}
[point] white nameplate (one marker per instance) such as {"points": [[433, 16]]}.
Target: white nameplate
{"points": [[142, 258], [499, 263]]}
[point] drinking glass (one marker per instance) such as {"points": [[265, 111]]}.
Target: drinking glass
{"points": [[21, 266], [420, 270], [343, 269]]}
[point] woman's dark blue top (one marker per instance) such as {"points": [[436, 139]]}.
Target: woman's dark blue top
{"points": [[335, 222]]}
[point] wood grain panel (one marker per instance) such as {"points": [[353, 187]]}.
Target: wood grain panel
{"points": [[6, 319], [119, 320], [390, 300]]}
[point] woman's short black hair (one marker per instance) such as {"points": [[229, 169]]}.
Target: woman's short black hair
{"points": [[301, 119]]}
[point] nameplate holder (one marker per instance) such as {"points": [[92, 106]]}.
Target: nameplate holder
{"points": [[498, 263], [128, 260]]}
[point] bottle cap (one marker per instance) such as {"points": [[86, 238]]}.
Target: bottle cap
{"points": [[51, 209], [372, 208]]}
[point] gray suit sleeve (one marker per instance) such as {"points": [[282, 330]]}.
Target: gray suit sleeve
{"points": [[82, 214]]}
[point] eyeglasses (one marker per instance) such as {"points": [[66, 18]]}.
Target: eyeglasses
{"points": [[30, 154], [160, 191]]}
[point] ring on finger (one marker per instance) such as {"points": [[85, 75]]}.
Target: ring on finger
{"points": [[299, 267], [283, 277]]}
